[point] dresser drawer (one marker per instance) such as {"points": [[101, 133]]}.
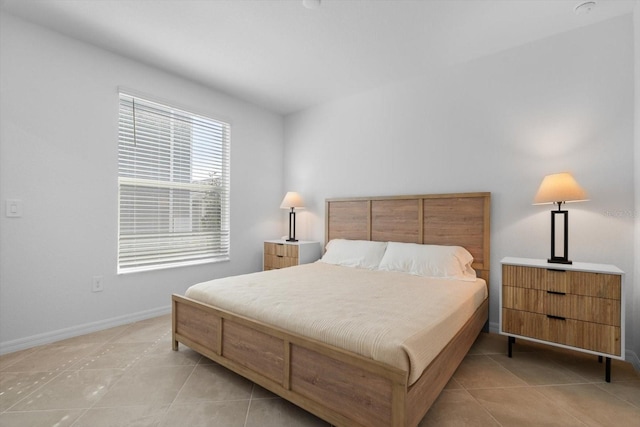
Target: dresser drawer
{"points": [[282, 253], [535, 278], [578, 307], [280, 250], [272, 262], [279, 255], [523, 277], [556, 280], [571, 332], [595, 284]]}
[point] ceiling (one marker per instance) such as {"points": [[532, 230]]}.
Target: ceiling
{"points": [[285, 57]]}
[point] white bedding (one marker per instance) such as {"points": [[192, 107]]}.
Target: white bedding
{"points": [[395, 318]]}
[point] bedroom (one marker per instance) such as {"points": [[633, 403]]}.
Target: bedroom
{"points": [[498, 122]]}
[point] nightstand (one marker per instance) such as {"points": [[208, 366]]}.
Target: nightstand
{"points": [[578, 306], [281, 253]]}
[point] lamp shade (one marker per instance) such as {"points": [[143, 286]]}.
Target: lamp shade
{"points": [[292, 200], [559, 187]]}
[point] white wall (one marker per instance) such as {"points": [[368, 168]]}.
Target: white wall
{"points": [[58, 154], [636, 319], [498, 124]]}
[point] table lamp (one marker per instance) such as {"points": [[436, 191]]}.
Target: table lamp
{"points": [[291, 201], [559, 188]]}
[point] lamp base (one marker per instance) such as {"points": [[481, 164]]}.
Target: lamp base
{"points": [[292, 227], [559, 237], [559, 260]]}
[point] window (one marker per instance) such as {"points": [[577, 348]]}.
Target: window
{"points": [[173, 187]]}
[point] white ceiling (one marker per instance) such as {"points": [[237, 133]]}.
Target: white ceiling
{"points": [[280, 55]]}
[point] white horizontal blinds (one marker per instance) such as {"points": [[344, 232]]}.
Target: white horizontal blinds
{"points": [[173, 169]]}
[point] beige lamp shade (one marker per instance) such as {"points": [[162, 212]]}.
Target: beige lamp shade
{"points": [[559, 187], [292, 200]]}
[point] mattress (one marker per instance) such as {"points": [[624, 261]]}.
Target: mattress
{"points": [[395, 318]]}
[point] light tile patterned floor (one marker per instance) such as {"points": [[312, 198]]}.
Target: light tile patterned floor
{"points": [[129, 376]]}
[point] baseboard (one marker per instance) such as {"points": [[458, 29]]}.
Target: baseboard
{"points": [[74, 331], [632, 358], [494, 327]]}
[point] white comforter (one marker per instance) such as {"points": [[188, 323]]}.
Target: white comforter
{"points": [[395, 318]]}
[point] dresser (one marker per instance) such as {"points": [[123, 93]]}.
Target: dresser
{"points": [[281, 253], [578, 306]]}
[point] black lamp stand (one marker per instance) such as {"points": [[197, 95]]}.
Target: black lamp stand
{"points": [[292, 227], [564, 216]]}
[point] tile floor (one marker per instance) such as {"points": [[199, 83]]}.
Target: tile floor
{"points": [[129, 376]]}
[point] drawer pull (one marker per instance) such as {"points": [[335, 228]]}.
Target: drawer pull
{"points": [[556, 317], [556, 293], [556, 271], [280, 256]]}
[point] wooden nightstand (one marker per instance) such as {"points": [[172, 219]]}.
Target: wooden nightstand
{"points": [[578, 306], [280, 253]]}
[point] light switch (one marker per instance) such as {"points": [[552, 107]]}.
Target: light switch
{"points": [[14, 208]]}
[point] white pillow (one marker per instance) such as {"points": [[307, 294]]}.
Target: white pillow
{"points": [[452, 262], [354, 253]]}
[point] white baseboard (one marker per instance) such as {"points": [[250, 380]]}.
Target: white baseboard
{"points": [[74, 331], [494, 327], [633, 358]]}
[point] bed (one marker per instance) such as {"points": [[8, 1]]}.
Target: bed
{"points": [[335, 382]]}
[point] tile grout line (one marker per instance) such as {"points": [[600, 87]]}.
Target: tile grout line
{"points": [[170, 406], [34, 391], [125, 370], [28, 352], [60, 372], [580, 379], [553, 402], [483, 407], [506, 369], [246, 417], [526, 385], [598, 385], [100, 346], [550, 361], [32, 351]]}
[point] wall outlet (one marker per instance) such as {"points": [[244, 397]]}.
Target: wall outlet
{"points": [[13, 208], [97, 284]]}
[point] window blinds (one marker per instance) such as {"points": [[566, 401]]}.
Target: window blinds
{"points": [[173, 187]]}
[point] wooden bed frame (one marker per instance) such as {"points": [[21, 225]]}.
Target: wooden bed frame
{"points": [[341, 387]]}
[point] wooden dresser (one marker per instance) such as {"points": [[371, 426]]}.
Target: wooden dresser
{"points": [[281, 254], [578, 306]]}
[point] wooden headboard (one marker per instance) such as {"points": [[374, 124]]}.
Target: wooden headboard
{"points": [[460, 219]]}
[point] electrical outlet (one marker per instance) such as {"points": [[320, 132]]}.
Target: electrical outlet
{"points": [[97, 284], [14, 208]]}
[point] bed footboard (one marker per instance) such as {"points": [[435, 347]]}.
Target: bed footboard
{"points": [[342, 388], [338, 386]]}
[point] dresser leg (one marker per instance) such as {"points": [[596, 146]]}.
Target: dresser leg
{"points": [[599, 359], [607, 373], [510, 340]]}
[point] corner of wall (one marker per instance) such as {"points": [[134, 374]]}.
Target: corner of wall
{"points": [[636, 286]]}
